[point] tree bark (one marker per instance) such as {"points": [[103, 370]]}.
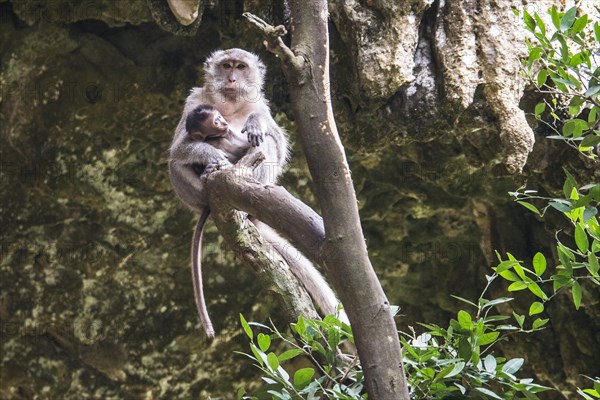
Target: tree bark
{"points": [[241, 235], [306, 66]]}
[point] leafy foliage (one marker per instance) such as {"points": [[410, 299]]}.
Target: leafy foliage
{"points": [[564, 63], [593, 393], [335, 375], [440, 362], [578, 261], [458, 361]]}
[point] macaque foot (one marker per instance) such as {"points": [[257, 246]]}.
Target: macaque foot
{"points": [[216, 166]]}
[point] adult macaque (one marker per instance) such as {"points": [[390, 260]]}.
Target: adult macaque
{"points": [[234, 88]]}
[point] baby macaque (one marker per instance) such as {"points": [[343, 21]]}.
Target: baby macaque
{"points": [[205, 123]]}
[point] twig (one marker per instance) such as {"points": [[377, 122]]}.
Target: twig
{"points": [[274, 43]]}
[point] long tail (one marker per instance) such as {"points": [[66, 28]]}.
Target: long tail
{"points": [[311, 278], [197, 274]]}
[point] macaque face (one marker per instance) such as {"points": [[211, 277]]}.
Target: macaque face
{"points": [[213, 126], [235, 73], [219, 124]]}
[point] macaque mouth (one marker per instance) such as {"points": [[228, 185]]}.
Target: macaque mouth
{"points": [[217, 135]]}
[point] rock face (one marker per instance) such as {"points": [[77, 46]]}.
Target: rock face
{"points": [[446, 50], [95, 293]]}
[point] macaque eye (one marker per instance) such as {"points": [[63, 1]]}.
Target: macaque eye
{"points": [[226, 65], [241, 66]]}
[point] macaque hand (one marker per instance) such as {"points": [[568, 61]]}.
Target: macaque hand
{"points": [[254, 131]]}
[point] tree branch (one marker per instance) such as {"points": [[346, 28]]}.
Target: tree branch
{"points": [[240, 234], [274, 43], [235, 188]]}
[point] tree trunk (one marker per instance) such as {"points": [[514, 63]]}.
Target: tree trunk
{"points": [[345, 253]]}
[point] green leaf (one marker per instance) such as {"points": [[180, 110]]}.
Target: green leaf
{"points": [[519, 318], [464, 318], [576, 292], [497, 301], [318, 347], [574, 127], [540, 23], [464, 349], [592, 264], [513, 365], [583, 57], [272, 361], [281, 396], [529, 21], [529, 206], [288, 355], [443, 373], [520, 271], [580, 24], [555, 17], [593, 115], [333, 337], [487, 392], [564, 54], [490, 364], [534, 54], [509, 276], [303, 376], [487, 338], [300, 327], [505, 265], [590, 141], [559, 206], [428, 373], [541, 78], [535, 289], [246, 327], [539, 322], [597, 31], [540, 108], [516, 286], [240, 394], [581, 239], [458, 367], [588, 214], [258, 355], [561, 279], [464, 300], [494, 318], [592, 90], [536, 308], [264, 341], [564, 250], [539, 263]]}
